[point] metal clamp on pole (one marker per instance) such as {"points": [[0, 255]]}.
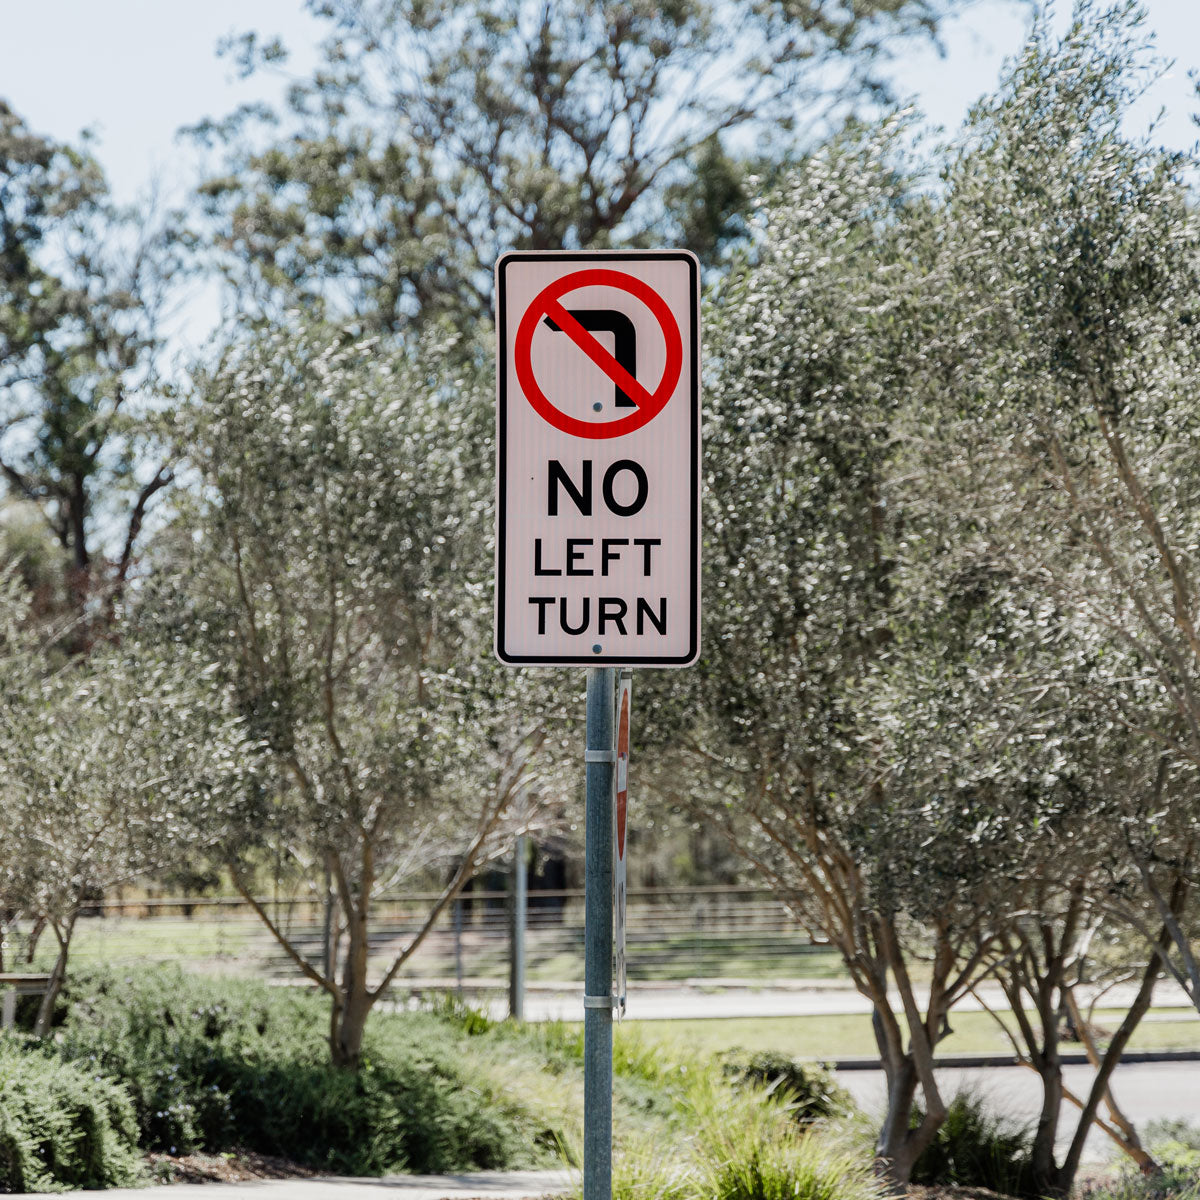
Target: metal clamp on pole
{"points": [[600, 756], [599, 1001]]}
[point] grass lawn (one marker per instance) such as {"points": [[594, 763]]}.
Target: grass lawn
{"points": [[848, 1035], [677, 959], [240, 943], [129, 940]]}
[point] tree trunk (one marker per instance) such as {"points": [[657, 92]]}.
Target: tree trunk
{"points": [[1128, 1139], [891, 1146], [1045, 1169], [1048, 1062], [58, 977], [346, 1044], [1112, 1056], [35, 936], [350, 1017]]}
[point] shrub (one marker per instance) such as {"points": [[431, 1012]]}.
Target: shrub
{"points": [[741, 1146], [755, 1156], [1175, 1183], [975, 1148], [1175, 1143], [214, 1062], [454, 1010], [60, 1126], [809, 1088]]}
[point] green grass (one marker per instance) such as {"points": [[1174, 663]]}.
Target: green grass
{"points": [[128, 940], [239, 943], [678, 959], [849, 1035]]}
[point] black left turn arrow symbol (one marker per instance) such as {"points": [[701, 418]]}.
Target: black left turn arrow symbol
{"points": [[609, 320]]}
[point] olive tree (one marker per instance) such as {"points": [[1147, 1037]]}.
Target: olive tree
{"points": [[340, 565], [1067, 357], [808, 512], [119, 766]]}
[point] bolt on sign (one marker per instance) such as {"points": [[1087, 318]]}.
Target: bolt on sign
{"points": [[598, 458]]}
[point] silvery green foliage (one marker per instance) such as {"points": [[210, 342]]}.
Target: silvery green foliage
{"points": [[110, 769], [892, 717], [808, 510], [123, 764], [831, 619], [343, 570], [344, 545], [1068, 270]]}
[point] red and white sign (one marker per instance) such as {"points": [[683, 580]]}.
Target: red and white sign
{"points": [[620, 871], [598, 458]]}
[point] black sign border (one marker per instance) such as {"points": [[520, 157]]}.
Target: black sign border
{"points": [[594, 258]]}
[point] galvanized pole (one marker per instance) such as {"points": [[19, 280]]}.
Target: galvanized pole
{"points": [[458, 967], [327, 963], [600, 758], [516, 977]]}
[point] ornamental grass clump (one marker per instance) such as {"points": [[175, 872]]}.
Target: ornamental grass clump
{"points": [[757, 1157]]}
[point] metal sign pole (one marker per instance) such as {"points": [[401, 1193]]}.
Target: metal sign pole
{"points": [[516, 977], [600, 757]]}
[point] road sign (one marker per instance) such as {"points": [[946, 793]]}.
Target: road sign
{"points": [[620, 874], [598, 458]]}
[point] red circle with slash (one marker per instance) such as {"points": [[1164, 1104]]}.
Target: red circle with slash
{"points": [[547, 303]]}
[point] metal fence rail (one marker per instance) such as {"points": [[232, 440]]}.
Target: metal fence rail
{"points": [[672, 933]]}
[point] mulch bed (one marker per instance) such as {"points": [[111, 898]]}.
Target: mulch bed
{"points": [[239, 1166]]}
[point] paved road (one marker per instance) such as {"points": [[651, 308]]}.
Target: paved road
{"points": [[713, 1000], [483, 1185], [1145, 1092]]}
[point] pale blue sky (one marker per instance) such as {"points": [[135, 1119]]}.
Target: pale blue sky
{"points": [[136, 70]]}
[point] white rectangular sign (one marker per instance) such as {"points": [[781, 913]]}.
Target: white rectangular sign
{"points": [[598, 458]]}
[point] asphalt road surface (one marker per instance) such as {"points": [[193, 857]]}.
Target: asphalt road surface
{"points": [[1145, 1092], [707, 999]]}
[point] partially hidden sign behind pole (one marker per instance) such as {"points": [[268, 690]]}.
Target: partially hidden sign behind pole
{"points": [[620, 873], [598, 448]]}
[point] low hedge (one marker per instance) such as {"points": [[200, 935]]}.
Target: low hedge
{"points": [[217, 1063], [62, 1126]]}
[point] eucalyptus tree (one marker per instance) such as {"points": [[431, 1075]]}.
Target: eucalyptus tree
{"points": [[112, 767], [434, 136], [340, 574], [18, 660], [82, 287], [1066, 361]]}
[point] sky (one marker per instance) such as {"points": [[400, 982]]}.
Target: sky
{"points": [[134, 71]]}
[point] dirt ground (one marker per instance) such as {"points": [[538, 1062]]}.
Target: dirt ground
{"points": [[239, 1166]]}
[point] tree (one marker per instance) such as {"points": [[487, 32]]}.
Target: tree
{"points": [[81, 289], [112, 767], [341, 578], [434, 136], [1065, 397], [809, 516]]}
